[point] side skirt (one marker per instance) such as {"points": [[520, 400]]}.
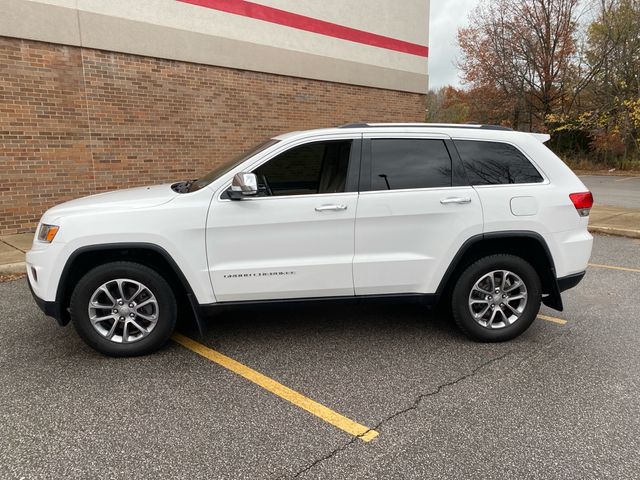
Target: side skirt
{"points": [[426, 299]]}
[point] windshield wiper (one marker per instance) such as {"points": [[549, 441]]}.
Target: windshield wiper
{"points": [[183, 187]]}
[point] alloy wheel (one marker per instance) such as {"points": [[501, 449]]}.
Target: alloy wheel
{"points": [[123, 310], [498, 299]]}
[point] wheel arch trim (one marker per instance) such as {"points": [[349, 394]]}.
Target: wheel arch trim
{"points": [[553, 298], [66, 271]]}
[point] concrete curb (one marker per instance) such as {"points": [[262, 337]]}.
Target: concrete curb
{"points": [[619, 232], [20, 267]]}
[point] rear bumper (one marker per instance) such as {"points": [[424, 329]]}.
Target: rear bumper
{"points": [[570, 281], [50, 309], [571, 251], [554, 298]]}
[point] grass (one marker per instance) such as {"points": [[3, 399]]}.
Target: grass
{"points": [[621, 166]]}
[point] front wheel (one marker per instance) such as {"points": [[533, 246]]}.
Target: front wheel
{"points": [[496, 298], [123, 309]]}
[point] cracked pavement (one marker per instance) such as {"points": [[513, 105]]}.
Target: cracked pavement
{"points": [[561, 401], [413, 406]]}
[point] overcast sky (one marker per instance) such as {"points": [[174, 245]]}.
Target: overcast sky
{"points": [[446, 17]]}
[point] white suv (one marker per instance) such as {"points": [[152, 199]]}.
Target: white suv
{"points": [[487, 219]]}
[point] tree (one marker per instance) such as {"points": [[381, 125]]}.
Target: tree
{"points": [[613, 43], [447, 105], [526, 50]]}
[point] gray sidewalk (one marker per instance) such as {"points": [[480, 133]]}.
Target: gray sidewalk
{"points": [[623, 222], [12, 250]]}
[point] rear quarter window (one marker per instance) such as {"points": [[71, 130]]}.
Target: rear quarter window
{"points": [[495, 163]]}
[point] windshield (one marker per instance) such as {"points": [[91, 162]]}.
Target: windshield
{"points": [[229, 165]]}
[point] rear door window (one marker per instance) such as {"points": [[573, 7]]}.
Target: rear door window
{"points": [[402, 163], [495, 163]]}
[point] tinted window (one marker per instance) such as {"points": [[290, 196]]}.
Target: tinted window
{"points": [[491, 163], [409, 163], [319, 167]]}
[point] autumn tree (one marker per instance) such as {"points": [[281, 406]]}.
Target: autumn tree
{"points": [[526, 50], [614, 45], [447, 105]]}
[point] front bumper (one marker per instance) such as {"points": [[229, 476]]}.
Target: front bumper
{"points": [[50, 309]]}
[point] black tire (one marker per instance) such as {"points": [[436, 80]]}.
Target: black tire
{"points": [[462, 290], [166, 305]]}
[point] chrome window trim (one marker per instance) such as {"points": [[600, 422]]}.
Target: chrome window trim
{"points": [[282, 197], [425, 189], [545, 182]]}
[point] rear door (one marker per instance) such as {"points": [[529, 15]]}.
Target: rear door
{"points": [[513, 191], [415, 211]]}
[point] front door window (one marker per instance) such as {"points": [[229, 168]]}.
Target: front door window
{"points": [[318, 167]]}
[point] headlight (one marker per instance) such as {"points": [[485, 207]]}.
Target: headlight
{"points": [[47, 232]]}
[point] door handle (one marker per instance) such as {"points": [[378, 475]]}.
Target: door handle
{"points": [[330, 208], [459, 200]]}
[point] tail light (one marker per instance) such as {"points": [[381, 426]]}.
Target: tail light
{"points": [[583, 202]]}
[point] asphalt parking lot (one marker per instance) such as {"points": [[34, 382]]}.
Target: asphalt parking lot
{"points": [[561, 401], [618, 191]]}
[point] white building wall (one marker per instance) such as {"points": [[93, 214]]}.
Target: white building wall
{"points": [[180, 30]]}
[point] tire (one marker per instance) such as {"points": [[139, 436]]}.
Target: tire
{"points": [[511, 315], [141, 324]]}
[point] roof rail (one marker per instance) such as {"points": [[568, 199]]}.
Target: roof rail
{"points": [[354, 125], [427, 125]]}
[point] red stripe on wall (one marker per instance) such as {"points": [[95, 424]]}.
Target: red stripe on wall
{"points": [[310, 24]]}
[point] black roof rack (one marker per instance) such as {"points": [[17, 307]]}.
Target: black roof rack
{"points": [[492, 127], [427, 125]]}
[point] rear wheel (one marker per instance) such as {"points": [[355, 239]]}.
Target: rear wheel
{"points": [[496, 298], [123, 309]]}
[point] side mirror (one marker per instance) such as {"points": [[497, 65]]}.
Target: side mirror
{"points": [[243, 184]]}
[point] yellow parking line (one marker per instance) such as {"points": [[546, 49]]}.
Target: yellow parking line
{"points": [[334, 418], [559, 321], [613, 267]]}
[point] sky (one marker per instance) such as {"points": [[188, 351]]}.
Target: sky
{"points": [[445, 18]]}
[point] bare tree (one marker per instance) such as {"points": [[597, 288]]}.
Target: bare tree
{"points": [[527, 49]]}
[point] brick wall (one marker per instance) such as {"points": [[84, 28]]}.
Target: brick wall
{"points": [[78, 121]]}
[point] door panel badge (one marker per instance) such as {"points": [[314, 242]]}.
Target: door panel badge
{"points": [[278, 273]]}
